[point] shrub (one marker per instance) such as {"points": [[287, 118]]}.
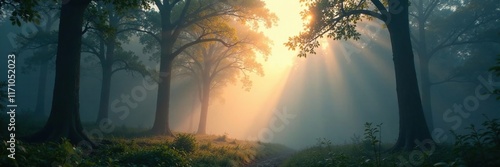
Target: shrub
{"points": [[158, 156], [185, 142], [481, 147]]}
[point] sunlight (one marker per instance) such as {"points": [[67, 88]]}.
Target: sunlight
{"points": [[249, 112]]}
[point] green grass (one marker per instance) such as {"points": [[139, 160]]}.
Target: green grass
{"points": [[135, 147]]}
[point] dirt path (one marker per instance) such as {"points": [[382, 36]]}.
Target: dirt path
{"points": [[272, 161]]}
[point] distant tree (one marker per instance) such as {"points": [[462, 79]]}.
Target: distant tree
{"points": [[170, 22], [43, 43], [108, 29], [338, 19], [438, 26], [213, 65], [64, 120]]}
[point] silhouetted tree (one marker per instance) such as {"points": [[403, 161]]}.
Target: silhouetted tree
{"points": [[439, 26], [64, 119], [213, 65], [108, 29], [43, 43], [337, 20], [172, 19]]}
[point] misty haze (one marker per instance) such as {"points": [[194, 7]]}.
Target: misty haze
{"points": [[250, 83]]}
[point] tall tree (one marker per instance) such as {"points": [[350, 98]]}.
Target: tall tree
{"points": [[465, 22], [337, 20], [213, 65], [64, 119], [173, 18], [108, 29], [43, 43]]}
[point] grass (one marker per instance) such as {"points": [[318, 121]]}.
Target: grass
{"points": [[477, 147], [134, 147]]}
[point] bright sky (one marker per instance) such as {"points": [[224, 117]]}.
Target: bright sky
{"points": [[248, 112]]}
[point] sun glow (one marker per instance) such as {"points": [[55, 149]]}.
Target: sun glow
{"points": [[243, 113]]}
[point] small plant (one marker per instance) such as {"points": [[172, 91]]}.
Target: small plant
{"points": [[481, 146], [222, 138], [185, 142], [157, 156], [371, 137]]}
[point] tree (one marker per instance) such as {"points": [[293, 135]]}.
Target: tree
{"points": [[43, 43], [171, 21], [109, 29], [64, 119], [213, 65], [465, 22], [337, 20]]}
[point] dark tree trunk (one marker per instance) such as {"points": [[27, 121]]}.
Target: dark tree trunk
{"points": [[64, 119], [42, 84], [161, 125], [107, 68], [412, 124], [105, 90], [205, 101]]}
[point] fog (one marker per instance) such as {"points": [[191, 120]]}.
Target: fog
{"points": [[299, 99]]}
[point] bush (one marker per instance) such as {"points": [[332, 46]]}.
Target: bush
{"points": [[185, 142], [481, 147], [158, 156]]}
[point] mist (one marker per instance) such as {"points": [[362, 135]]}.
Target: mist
{"points": [[291, 81]]}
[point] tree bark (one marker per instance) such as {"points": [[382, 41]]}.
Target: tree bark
{"points": [[42, 84], [105, 91], [161, 124], [205, 101], [64, 119], [412, 124]]}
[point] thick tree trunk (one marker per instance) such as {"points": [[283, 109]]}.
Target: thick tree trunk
{"points": [[161, 124], [105, 90], [64, 119], [412, 125], [107, 68], [205, 101], [42, 84]]}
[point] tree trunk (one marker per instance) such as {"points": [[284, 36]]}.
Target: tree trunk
{"points": [[107, 68], [42, 84], [412, 124], [105, 90], [424, 66], [202, 126], [64, 119], [425, 85], [161, 124]]}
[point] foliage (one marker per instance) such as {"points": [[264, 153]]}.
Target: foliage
{"points": [[371, 137], [20, 11], [157, 156], [480, 147], [185, 142], [47, 154], [333, 19]]}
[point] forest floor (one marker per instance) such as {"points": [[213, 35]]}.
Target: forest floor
{"points": [[135, 147]]}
